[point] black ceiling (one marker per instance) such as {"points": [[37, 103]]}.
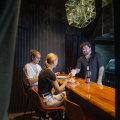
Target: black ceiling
{"points": [[58, 3]]}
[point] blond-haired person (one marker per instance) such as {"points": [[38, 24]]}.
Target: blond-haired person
{"points": [[47, 81], [32, 70]]}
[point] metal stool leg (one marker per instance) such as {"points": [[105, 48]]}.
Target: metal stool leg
{"points": [[26, 106]]}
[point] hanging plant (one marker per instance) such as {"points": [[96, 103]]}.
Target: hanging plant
{"points": [[80, 12]]}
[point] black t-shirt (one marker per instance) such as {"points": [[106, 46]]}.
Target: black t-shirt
{"points": [[94, 63], [46, 76]]}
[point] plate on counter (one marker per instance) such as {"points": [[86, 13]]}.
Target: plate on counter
{"points": [[61, 77]]}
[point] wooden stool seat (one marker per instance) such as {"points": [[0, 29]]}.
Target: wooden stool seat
{"points": [[29, 98], [75, 112], [41, 106]]}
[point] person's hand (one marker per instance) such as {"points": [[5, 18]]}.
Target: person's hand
{"points": [[73, 72], [57, 73], [99, 82], [69, 76], [53, 91]]}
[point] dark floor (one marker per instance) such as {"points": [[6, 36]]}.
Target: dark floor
{"points": [[21, 116], [28, 116]]}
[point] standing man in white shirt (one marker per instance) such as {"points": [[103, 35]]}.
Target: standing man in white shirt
{"points": [[32, 70]]}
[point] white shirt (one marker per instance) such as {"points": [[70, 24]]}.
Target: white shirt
{"points": [[31, 70]]}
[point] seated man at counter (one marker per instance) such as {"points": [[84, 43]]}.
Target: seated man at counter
{"points": [[32, 70], [93, 60]]}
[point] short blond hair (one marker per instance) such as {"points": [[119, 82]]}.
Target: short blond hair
{"points": [[33, 53], [50, 58]]}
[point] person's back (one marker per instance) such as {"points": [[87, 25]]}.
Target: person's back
{"points": [[45, 85], [47, 81]]}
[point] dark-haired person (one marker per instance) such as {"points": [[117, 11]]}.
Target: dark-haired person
{"points": [[32, 70], [93, 60], [47, 81]]}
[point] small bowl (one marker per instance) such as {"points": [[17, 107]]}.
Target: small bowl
{"points": [[72, 80]]}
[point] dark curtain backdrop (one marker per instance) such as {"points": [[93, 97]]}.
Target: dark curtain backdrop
{"points": [[9, 14], [41, 27], [72, 49]]}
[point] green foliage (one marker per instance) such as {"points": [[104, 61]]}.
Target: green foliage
{"points": [[80, 12]]}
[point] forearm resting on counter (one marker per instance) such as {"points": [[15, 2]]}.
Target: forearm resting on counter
{"points": [[100, 75]]}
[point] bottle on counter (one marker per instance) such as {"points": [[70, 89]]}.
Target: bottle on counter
{"points": [[88, 75]]}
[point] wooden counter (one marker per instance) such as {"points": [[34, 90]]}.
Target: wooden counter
{"points": [[101, 96]]}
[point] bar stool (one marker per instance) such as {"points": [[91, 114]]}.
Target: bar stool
{"points": [[44, 109], [75, 112], [29, 98]]}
